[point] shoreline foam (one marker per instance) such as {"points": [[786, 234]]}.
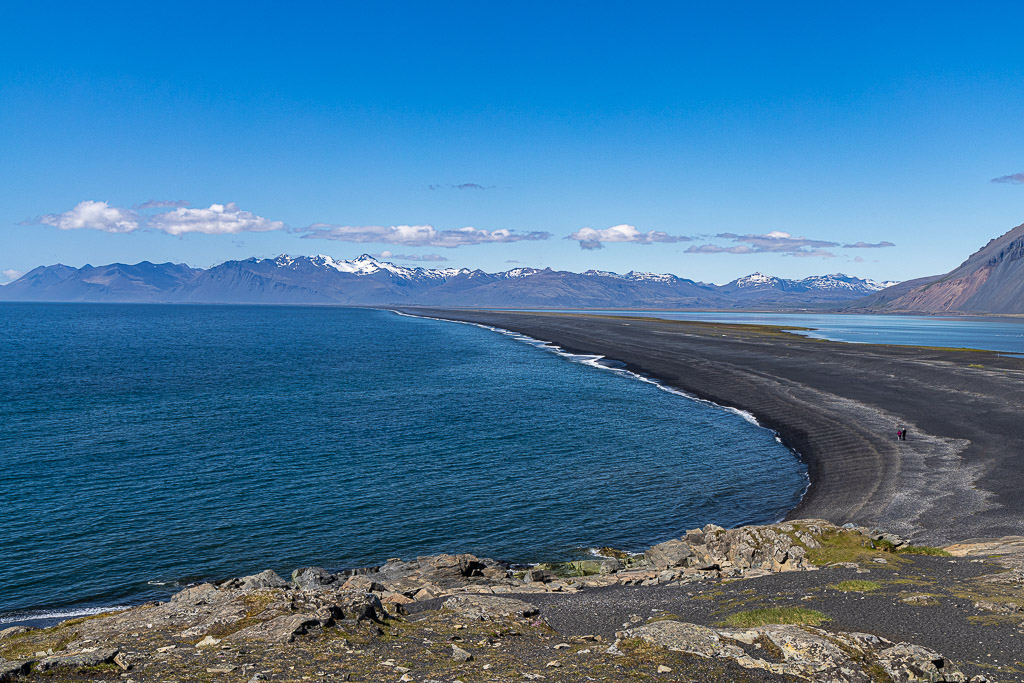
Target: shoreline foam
{"points": [[837, 406], [594, 360]]}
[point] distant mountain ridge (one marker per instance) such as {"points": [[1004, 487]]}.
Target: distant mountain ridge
{"points": [[368, 281], [990, 281]]}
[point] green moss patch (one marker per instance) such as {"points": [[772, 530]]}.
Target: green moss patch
{"points": [[922, 550], [856, 585], [776, 615]]}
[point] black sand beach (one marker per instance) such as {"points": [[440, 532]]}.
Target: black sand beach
{"points": [[958, 475]]}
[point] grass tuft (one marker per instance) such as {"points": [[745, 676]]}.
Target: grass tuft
{"points": [[922, 550], [776, 615], [857, 585]]}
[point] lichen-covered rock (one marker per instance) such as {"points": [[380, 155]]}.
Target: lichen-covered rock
{"points": [[282, 629], [363, 582], [690, 638], [77, 660], [671, 554], [315, 578], [734, 552], [444, 572], [265, 579], [13, 631], [484, 607], [9, 671], [808, 653], [907, 662]]}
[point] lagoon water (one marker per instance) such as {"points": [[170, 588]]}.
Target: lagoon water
{"points": [[143, 447], [988, 333]]}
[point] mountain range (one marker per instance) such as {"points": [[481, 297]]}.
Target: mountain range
{"points": [[367, 281]]}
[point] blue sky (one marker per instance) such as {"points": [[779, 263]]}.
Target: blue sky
{"points": [[703, 141]]}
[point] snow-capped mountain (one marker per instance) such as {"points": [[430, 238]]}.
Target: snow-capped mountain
{"points": [[838, 281], [759, 281], [365, 281]]}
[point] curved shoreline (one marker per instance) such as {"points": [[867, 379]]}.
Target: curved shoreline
{"points": [[625, 369], [837, 406]]}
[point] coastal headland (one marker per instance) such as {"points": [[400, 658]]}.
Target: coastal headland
{"points": [[957, 476]]}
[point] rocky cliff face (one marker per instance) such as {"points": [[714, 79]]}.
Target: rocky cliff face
{"points": [[990, 281]]}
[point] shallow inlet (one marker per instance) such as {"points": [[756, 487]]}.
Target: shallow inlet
{"points": [[155, 445]]}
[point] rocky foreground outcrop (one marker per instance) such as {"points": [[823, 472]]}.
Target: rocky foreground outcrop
{"points": [[460, 617], [805, 652]]}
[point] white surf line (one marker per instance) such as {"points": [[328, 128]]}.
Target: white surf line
{"points": [[593, 360], [60, 614]]}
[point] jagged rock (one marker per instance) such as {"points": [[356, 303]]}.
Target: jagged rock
{"points": [[734, 552], [13, 631], [446, 572], [538, 575], [486, 607], [808, 653], [896, 541], [920, 599], [805, 652], [195, 595], [282, 629], [670, 554], [360, 606], [77, 660], [691, 638], [392, 598], [364, 583], [265, 579], [460, 655], [426, 593], [999, 607], [906, 662], [314, 578], [11, 670]]}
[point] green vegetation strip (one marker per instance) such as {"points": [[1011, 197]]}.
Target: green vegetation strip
{"points": [[776, 615], [922, 550], [858, 585]]}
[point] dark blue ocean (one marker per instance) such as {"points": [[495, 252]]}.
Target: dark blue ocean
{"points": [[143, 447]]}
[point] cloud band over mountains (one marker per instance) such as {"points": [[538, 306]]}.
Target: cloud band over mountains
{"points": [[218, 219], [419, 235], [175, 217], [229, 219], [590, 238]]}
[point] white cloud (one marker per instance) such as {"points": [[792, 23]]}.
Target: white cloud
{"points": [[417, 235], [219, 219], [90, 215], [410, 257], [9, 275], [1016, 178], [866, 245], [774, 242], [161, 204], [590, 238]]}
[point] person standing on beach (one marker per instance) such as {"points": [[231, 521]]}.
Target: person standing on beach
{"points": [[904, 435]]}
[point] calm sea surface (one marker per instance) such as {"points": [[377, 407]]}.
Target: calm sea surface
{"points": [[143, 447], [993, 334]]}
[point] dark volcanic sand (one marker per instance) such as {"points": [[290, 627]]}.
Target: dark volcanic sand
{"points": [[959, 474]]}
